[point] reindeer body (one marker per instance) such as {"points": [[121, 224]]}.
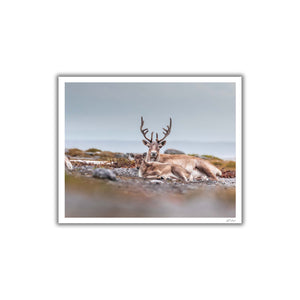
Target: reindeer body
{"points": [[163, 170], [196, 166]]}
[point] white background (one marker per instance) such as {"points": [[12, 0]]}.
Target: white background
{"points": [[256, 260]]}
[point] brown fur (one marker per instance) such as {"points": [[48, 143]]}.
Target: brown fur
{"points": [[162, 170], [190, 163]]}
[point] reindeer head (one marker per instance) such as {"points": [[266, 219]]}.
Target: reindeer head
{"points": [[154, 146], [138, 159]]}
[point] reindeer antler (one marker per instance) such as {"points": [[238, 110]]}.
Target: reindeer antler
{"points": [[145, 131], [166, 132]]}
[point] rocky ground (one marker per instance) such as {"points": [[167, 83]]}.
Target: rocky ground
{"points": [[127, 178]]}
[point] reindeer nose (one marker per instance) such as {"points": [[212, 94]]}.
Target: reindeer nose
{"points": [[153, 154]]}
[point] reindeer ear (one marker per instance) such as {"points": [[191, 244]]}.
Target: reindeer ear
{"points": [[146, 143], [161, 144], [131, 156]]}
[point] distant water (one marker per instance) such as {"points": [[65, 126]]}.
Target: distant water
{"points": [[224, 150]]}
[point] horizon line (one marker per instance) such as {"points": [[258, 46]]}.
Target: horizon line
{"points": [[115, 140]]}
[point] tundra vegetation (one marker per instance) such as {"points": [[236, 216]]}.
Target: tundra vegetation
{"points": [[121, 160]]}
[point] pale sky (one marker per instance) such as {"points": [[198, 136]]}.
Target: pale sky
{"points": [[112, 111]]}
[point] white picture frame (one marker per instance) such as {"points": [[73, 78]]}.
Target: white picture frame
{"points": [[62, 219]]}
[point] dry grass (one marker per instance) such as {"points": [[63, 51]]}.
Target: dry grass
{"points": [[75, 152], [230, 165], [224, 165], [106, 155], [227, 165], [210, 157], [112, 157], [93, 150], [123, 163]]}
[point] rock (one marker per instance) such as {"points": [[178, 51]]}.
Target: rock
{"points": [[90, 153], [120, 155], [173, 151], [86, 170], [129, 172], [104, 174]]}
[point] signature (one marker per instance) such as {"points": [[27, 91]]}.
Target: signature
{"points": [[230, 220]]}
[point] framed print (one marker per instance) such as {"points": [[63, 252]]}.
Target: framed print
{"points": [[150, 149]]}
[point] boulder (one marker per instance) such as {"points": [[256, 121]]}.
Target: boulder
{"points": [[90, 153], [120, 155], [129, 172], [104, 174], [173, 151]]}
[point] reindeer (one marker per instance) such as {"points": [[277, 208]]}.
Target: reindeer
{"points": [[196, 166], [161, 170]]}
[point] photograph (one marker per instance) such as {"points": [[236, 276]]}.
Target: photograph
{"points": [[150, 149]]}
